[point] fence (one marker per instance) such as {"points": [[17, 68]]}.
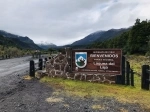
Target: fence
{"points": [[145, 81], [127, 77], [41, 65]]}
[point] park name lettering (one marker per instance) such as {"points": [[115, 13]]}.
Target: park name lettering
{"points": [[102, 65], [104, 55]]}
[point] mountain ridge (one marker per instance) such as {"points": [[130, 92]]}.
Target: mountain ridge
{"points": [[99, 36], [18, 41]]}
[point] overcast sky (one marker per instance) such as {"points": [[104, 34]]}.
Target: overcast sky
{"points": [[65, 21]]}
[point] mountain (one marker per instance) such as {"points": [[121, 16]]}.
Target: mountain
{"points": [[47, 45], [21, 38], [111, 34], [99, 36], [7, 41], [17, 41], [88, 39]]}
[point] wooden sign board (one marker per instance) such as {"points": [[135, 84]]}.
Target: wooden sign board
{"points": [[104, 61]]}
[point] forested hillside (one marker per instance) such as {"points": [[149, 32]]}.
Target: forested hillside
{"points": [[13, 47], [99, 36], [134, 41], [20, 41]]}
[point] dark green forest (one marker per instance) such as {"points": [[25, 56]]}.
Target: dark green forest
{"points": [[12, 47], [134, 41]]}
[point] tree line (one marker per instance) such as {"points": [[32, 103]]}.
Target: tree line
{"points": [[10, 51]]}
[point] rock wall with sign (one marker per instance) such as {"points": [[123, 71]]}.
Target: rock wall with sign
{"points": [[103, 70]]}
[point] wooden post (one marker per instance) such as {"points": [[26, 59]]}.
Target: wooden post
{"points": [[32, 69], [49, 58], [127, 73], [118, 79], [132, 78], [45, 62], [40, 64], [45, 59], [123, 70], [145, 77]]}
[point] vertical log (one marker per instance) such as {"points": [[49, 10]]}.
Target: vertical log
{"points": [[45, 62], [123, 70], [132, 78], [69, 57], [49, 58], [127, 73], [32, 69], [118, 79], [40, 64], [145, 76]]}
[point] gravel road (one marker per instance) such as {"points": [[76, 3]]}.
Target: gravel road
{"points": [[13, 66], [11, 71], [19, 95]]}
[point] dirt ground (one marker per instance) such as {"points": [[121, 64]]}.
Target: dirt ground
{"points": [[33, 96]]}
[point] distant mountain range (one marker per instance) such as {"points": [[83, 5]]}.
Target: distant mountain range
{"points": [[27, 43], [46, 45], [99, 36], [17, 41]]}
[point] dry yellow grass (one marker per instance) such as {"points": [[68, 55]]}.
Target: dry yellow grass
{"points": [[27, 77], [99, 107], [54, 100]]}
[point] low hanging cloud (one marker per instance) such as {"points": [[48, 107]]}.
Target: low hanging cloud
{"points": [[65, 21]]}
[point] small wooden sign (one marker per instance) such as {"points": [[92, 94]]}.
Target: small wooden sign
{"points": [[105, 61]]}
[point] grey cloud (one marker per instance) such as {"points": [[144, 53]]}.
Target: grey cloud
{"points": [[64, 21]]}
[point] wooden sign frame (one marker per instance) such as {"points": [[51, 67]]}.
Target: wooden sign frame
{"points": [[103, 61]]}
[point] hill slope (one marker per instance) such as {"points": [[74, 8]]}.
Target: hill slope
{"points": [[99, 36], [88, 39], [111, 34], [17, 41]]}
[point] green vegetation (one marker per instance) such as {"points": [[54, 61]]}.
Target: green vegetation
{"points": [[12, 47], [134, 41], [52, 51], [136, 62], [10, 51]]}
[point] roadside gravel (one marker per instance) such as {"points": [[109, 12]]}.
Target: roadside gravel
{"points": [[33, 96]]}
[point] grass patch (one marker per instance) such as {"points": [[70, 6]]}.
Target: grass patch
{"points": [[124, 94], [27, 77], [136, 62]]}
